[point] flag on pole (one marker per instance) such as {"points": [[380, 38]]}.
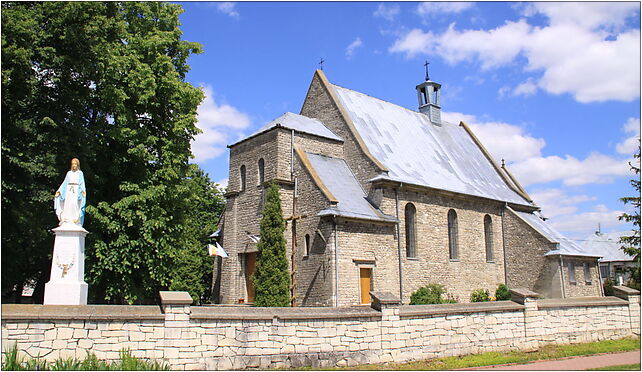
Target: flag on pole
{"points": [[220, 251]]}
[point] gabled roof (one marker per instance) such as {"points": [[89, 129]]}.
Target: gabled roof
{"points": [[565, 246], [344, 189], [299, 123], [607, 245], [415, 151]]}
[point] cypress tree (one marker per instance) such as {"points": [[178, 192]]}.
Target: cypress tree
{"points": [[272, 278]]}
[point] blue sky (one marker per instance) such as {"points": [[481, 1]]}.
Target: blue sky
{"points": [[553, 88]]}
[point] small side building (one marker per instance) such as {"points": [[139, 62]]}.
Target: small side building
{"points": [[614, 262]]}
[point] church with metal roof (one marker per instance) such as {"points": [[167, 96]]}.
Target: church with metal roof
{"points": [[379, 197]]}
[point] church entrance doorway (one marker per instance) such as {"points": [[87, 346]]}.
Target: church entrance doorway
{"points": [[250, 266], [365, 284]]}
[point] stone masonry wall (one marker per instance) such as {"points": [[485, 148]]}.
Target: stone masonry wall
{"points": [[238, 337], [432, 264], [526, 265]]}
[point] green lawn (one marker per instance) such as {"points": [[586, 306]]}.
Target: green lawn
{"points": [[492, 358], [623, 367]]}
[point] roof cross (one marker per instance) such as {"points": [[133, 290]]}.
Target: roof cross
{"points": [[426, 65], [321, 63]]}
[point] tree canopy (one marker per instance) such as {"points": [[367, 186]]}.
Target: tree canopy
{"points": [[631, 243], [104, 82], [272, 278]]}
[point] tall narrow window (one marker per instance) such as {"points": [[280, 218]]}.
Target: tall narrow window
{"points": [[306, 244], [452, 235], [587, 273], [261, 171], [242, 177], [488, 237], [571, 273], [411, 234]]}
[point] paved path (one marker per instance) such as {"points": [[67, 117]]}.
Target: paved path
{"points": [[572, 363]]}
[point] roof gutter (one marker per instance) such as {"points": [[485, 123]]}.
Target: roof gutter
{"points": [[336, 262], [399, 244]]}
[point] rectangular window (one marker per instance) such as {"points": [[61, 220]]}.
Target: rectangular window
{"points": [[571, 273], [604, 270], [587, 273]]}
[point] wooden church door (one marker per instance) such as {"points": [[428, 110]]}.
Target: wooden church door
{"points": [[250, 266], [365, 282]]}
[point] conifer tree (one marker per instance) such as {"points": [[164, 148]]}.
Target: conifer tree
{"points": [[272, 278], [631, 243]]}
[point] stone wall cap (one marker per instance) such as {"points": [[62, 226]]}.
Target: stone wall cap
{"points": [[175, 298], [284, 313], [451, 309], [385, 298], [580, 302], [78, 312], [626, 290], [523, 292]]}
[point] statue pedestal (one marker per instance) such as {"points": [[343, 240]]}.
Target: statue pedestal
{"points": [[66, 284]]}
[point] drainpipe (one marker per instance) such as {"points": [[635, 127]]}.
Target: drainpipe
{"points": [[336, 262], [504, 244], [599, 277], [399, 244], [563, 279]]}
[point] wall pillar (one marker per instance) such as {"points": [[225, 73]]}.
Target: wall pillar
{"points": [[633, 296], [532, 321], [180, 339], [388, 304]]}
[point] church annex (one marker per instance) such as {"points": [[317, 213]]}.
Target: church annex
{"points": [[380, 197]]}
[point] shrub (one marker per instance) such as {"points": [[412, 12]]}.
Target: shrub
{"points": [[431, 294], [502, 293], [632, 283], [608, 287], [479, 295]]}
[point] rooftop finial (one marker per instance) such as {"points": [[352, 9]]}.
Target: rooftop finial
{"points": [[321, 63], [426, 65], [503, 163]]}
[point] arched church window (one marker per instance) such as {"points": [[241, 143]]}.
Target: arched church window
{"points": [[242, 177], [411, 230], [488, 237], [307, 244], [261, 171], [453, 248]]}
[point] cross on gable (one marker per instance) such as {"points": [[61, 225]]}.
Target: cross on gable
{"points": [[426, 65], [321, 63]]}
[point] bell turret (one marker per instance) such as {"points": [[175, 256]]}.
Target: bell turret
{"points": [[429, 96]]}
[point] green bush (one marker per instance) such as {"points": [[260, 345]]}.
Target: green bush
{"points": [[431, 294], [608, 287], [632, 283], [502, 293], [479, 295]]}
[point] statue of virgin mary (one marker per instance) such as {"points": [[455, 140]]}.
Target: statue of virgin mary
{"points": [[70, 199]]}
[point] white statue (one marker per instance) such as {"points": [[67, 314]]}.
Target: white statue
{"points": [[70, 199]]}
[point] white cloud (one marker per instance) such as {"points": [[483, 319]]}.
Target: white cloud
{"points": [[527, 88], [596, 168], [502, 140], [218, 122], [387, 12], [630, 145], [556, 202], [223, 183], [432, 8], [579, 226], [350, 49], [575, 52], [228, 8]]}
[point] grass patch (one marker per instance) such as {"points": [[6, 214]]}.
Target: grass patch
{"points": [[623, 367], [493, 358], [126, 362]]}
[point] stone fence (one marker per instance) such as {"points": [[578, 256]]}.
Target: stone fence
{"points": [[237, 337]]}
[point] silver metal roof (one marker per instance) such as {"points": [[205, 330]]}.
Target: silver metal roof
{"points": [[418, 152], [300, 123], [565, 246], [607, 245], [341, 182]]}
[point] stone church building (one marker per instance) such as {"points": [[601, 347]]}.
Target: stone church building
{"points": [[380, 197]]}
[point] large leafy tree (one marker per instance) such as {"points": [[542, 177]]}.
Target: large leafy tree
{"points": [[272, 278], [104, 82], [631, 243]]}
